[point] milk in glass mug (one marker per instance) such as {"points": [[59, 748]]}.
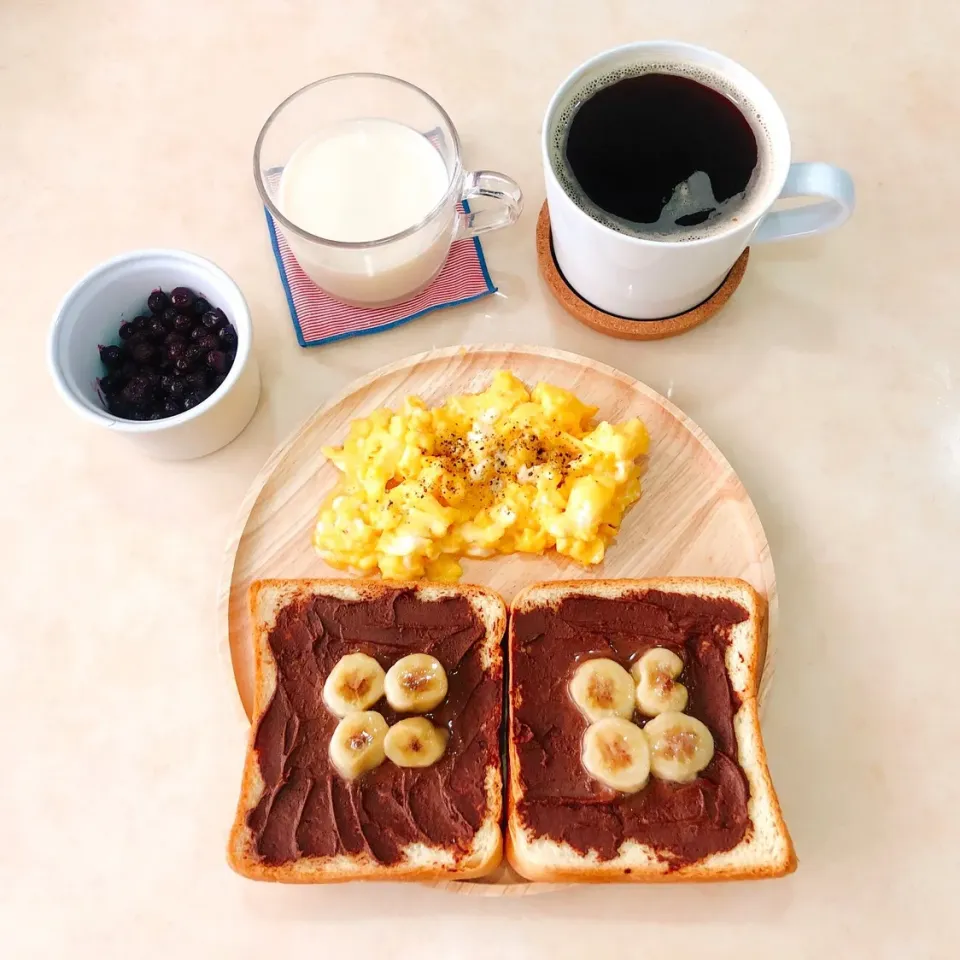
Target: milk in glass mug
{"points": [[362, 175]]}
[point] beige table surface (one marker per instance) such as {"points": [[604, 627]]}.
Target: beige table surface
{"points": [[830, 382]]}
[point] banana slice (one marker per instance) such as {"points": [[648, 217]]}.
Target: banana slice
{"points": [[656, 673], [680, 746], [416, 683], [415, 742], [602, 688], [356, 745], [616, 752], [355, 683]]}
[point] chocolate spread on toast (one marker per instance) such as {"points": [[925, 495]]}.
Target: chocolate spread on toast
{"points": [[307, 808], [683, 822]]}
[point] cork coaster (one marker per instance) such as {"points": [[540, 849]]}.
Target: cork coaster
{"points": [[621, 327]]}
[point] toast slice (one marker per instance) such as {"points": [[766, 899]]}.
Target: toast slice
{"points": [[562, 825], [298, 820]]}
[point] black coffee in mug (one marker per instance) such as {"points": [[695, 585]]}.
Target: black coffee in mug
{"points": [[664, 156]]}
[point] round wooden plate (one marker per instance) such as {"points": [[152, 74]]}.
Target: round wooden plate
{"points": [[694, 517]]}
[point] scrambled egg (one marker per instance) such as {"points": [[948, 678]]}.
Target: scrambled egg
{"points": [[502, 471]]}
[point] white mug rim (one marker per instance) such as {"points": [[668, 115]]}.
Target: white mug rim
{"points": [[674, 49]]}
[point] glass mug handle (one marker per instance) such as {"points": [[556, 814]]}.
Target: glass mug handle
{"points": [[837, 196], [495, 186]]}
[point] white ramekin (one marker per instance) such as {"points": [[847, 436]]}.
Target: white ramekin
{"points": [[90, 314]]}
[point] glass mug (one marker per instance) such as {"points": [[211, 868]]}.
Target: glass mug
{"points": [[395, 268]]}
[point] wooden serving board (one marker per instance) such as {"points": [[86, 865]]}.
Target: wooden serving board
{"points": [[694, 517]]}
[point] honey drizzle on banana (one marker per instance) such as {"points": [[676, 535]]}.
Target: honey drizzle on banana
{"points": [[619, 753], [416, 683]]}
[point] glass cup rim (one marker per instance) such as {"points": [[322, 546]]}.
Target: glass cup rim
{"points": [[355, 244]]}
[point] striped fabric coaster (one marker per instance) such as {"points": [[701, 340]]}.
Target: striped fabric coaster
{"points": [[318, 318]]}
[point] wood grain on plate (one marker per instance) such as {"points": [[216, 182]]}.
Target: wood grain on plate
{"points": [[694, 517]]}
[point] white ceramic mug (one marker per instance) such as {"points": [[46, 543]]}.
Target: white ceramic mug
{"points": [[648, 279]]}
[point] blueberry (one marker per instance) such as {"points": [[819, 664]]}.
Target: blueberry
{"points": [[228, 337], [156, 331], [136, 392], [171, 408], [208, 343], [213, 319], [111, 357], [177, 389], [193, 399], [182, 323], [198, 331], [182, 365], [182, 298], [143, 352], [217, 361], [110, 384], [200, 306], [126, 330], [157, 301], [176, 350]]}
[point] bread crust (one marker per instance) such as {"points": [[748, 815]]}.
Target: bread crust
{"points": [[542, 859], [422, 862]]}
